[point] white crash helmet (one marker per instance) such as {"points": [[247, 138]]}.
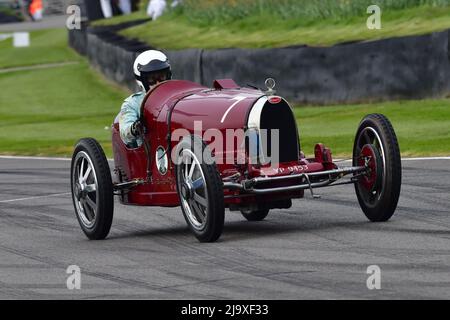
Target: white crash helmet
{"points": [[150, 67]]}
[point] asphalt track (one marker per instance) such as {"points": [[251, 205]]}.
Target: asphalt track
{"points": [[47, 22], [318, 249]]}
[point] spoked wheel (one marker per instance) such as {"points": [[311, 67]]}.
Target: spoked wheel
{"points": [[92, 192], [255, 215], [200, 189], [376, 146]]}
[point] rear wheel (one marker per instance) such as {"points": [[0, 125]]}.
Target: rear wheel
{"points": [[200, 189], [92, 189], [376, 146], [255, 215]]}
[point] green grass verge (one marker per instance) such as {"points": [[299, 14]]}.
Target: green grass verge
{"points": [[44, 112], [422, 126], [46, 46], [176, 30]]}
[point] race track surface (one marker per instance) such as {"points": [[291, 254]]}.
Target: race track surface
{"points": [[317, 249], [58, 21]]}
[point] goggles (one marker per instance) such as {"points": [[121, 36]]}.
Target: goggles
{"points": [[153, 78]]}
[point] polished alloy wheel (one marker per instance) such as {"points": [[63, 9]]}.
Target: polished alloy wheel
{"points": [[85, 189], [192, 186], [369, 136]]}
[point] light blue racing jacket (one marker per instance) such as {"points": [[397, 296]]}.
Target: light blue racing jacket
{"points": [[129, 113]]}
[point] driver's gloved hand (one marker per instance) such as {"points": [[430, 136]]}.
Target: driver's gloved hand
{"points": [[136, 128]]}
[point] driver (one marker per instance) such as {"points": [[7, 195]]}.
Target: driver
{"points": [[150, 68]]}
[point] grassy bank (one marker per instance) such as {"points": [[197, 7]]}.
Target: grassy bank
{"points": [[422, 126], [304, 12], [45, 111], [47, 46], [255, 24]]}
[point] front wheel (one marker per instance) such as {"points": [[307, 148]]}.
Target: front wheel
{"points": [[92, 189], [200, 189], [376, 147]]}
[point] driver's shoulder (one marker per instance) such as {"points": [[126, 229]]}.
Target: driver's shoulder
{"points": [[133, 102], [138, 96]]}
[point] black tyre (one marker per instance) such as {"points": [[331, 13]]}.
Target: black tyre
{"points": [[92, 189], [379, 190], [200, 189], [255, 215]]}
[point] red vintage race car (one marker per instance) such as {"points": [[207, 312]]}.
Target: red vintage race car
{"points": [[208, 149]]}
